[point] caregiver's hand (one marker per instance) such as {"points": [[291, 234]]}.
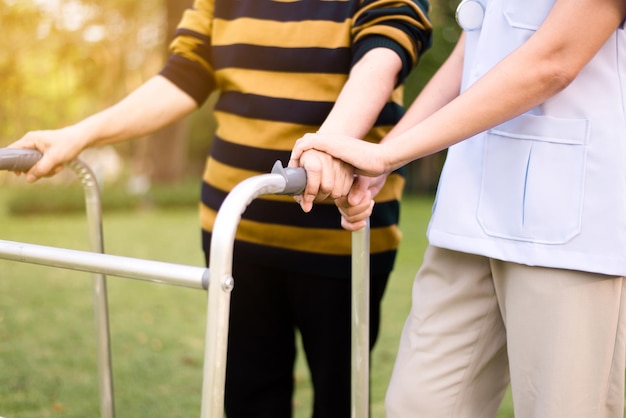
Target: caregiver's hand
{"points": [[365, 157]]}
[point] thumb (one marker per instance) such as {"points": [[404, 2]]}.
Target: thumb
{"points": [[358, 191], [44, 168]]}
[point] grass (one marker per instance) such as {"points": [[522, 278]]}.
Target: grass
{"points": [[47, 347]]}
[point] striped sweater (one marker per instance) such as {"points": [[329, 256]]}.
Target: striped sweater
{"points": [[278, 66]]}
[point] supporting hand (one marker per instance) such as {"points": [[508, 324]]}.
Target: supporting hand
{"points": [[365, 157]]}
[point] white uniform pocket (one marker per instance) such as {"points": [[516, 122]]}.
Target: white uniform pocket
{"points": [[528, 14], [533, 179]]}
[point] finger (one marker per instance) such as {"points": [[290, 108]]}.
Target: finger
{"points": [[327, 184], [303, 144], [346, 181], [40, 171], [332, 175], [358, 213], [355, 213], [22, 143], [342, 203], [358, 191], [338, 181], [352, 226], [31, 176], [57, 170], [293, 162], [45, 167], [312, 188]]}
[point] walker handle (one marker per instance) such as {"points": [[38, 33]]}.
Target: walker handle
{"points": [[18, 159], [295, 178]]}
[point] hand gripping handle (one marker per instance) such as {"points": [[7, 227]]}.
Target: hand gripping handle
{"points": [[295, 178], [17, 159]]}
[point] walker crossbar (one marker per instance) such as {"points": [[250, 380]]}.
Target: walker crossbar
{"points": [[127, 267]]}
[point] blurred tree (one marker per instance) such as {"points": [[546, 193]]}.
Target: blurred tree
{"points": [[15, 20], [65, 59], [167, 148]]}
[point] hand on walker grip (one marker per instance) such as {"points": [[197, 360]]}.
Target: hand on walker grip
{"points": [[57, 148], [327, 177]]}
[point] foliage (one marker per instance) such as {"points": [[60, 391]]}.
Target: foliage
{"points": [[445, 35], [65, 59]]}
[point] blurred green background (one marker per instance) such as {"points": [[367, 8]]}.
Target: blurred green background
{"points": [[47, 343]]}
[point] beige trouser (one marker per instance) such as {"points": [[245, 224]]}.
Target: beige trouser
{"points": [[477, 324]]}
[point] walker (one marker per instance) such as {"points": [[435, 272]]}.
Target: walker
{"points": [[217, 279]]}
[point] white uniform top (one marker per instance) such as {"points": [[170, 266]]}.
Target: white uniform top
{"points": [[547, 188]]}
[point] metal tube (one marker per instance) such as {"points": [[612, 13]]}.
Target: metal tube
{"points": [[132, 268], [360, 323], [221, 284], [22, 160], [16, 159], [100, 300]]}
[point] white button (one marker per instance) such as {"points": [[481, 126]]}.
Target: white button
{"points": [[470, 15]]}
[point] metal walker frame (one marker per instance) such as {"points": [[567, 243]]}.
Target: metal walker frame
{"points": [[217, 279]]}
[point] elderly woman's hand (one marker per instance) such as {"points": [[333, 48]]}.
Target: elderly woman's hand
{"points": [[327, 177], [56, 146]]}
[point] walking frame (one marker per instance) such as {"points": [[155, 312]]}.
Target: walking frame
{"points": [[217, 279]]}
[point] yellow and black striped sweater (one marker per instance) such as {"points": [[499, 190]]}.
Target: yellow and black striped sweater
{"points": [[279, 65]]}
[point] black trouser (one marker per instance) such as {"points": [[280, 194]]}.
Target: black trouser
{"points": [[267, 306]]}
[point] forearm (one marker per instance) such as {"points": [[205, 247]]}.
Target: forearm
{"points": [[365, 93], [155, 104], [535, 72], [369, 87], [441, 89]]}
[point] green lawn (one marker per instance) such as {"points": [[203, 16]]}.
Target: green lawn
{"points": [[47, 347]]}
